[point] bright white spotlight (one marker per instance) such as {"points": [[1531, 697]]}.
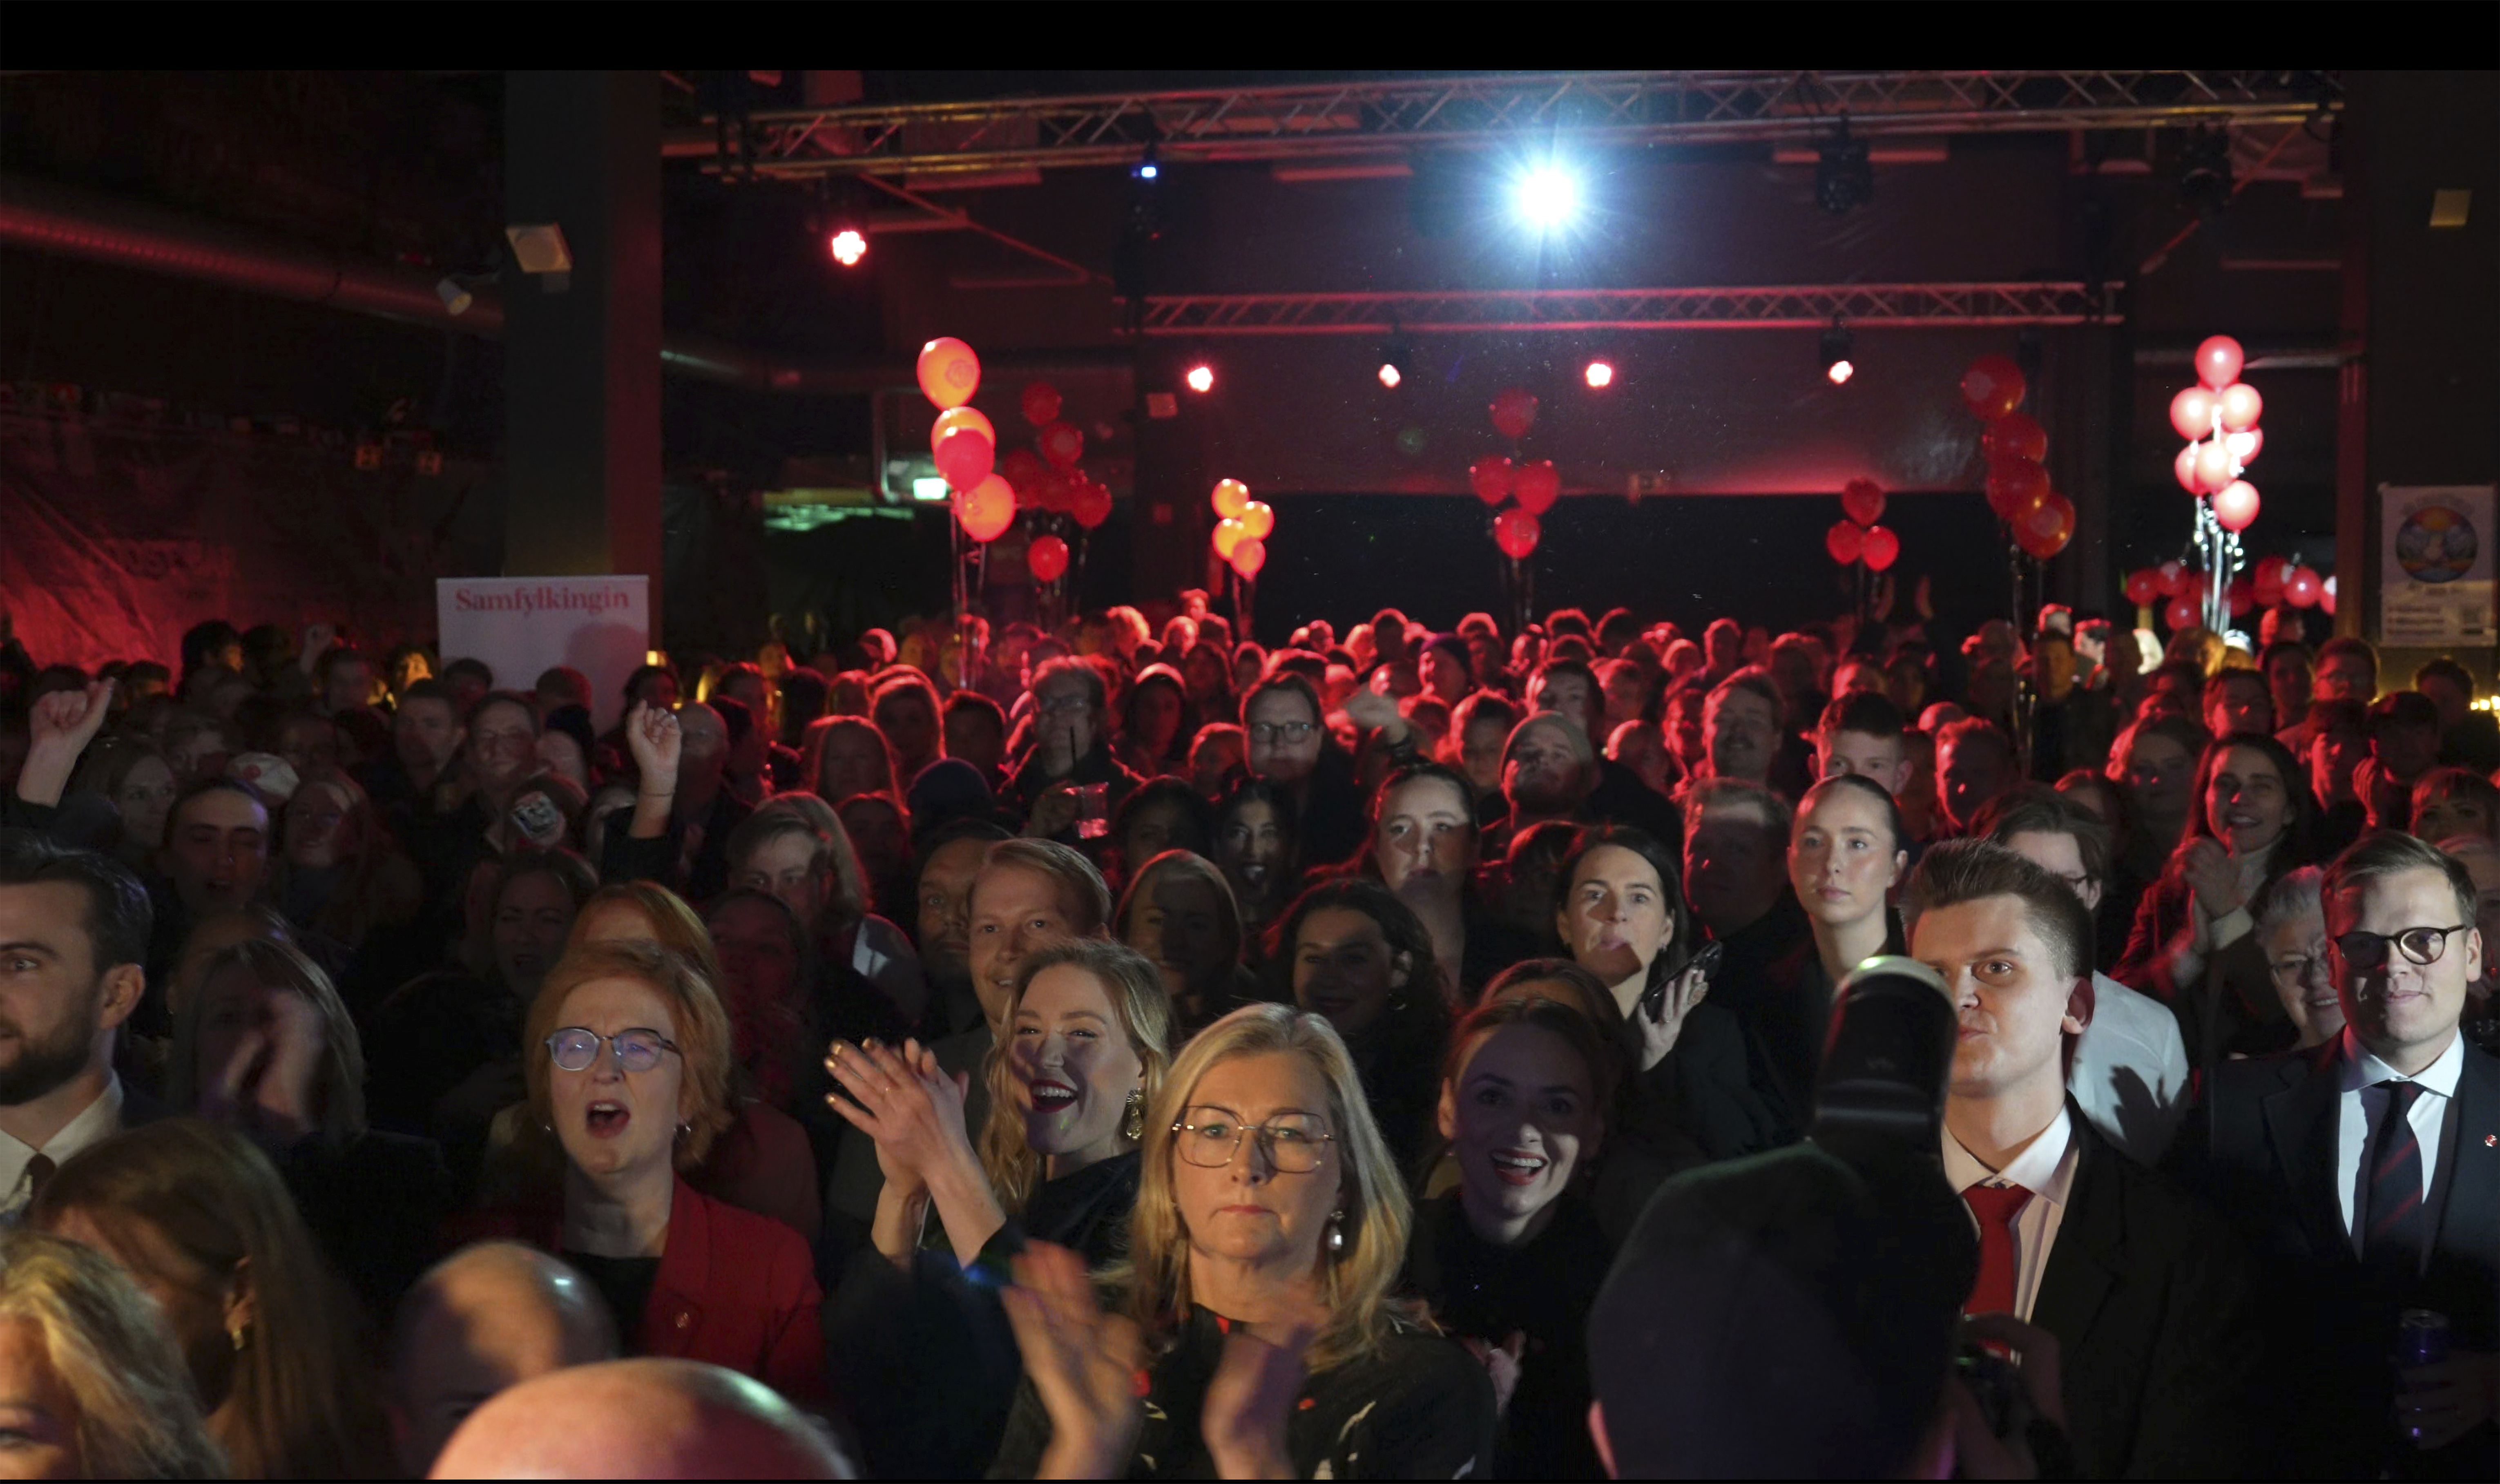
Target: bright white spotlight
{"points": [[1547, 197], [1201, 377], [1839, 371], [1389, 375], [1600, 374], [847, 246]]}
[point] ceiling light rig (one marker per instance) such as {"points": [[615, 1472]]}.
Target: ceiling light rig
{"points": [[1838, 344], [1844, 175], [1547, 198]]}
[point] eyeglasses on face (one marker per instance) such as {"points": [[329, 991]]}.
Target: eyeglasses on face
{"points": [[2365, 952], [1281, 731], [1210, 1136], [576, 1048]]}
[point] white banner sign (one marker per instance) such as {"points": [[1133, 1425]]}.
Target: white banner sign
{"points": [[2435, 571], [522, 627]]}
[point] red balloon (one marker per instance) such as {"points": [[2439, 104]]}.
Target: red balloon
{"points": [[1880, 550], [2241, 407], [1249, 554], [2218, 361], [1846, 541], [986, 509], [2243, 596], [949, 372], [2245, 446], [1023, 471], [2235, 505], [1039, 404], [1992, 387], [1047, 557], [1491, 479], [1515, 530], [2143, 585], [1863, 500], [964, 458], [1090, 503], [2302, 588], [1056, 490], [2213, 466], [2184, 469], [1062, 444], [2015, 436], [2326, 597], [2045, 531], [2192, 413], [1538, 486], [2184, 613], [2016, 488], [2174, 579], [1514, 411]]}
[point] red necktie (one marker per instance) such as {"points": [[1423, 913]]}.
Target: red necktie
{"points": [[1995, 1206]]}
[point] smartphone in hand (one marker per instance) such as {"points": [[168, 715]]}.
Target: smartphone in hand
{"points": [[1654, 1001]]}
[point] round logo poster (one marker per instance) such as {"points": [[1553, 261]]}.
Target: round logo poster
{"points": [[2436, 544]]}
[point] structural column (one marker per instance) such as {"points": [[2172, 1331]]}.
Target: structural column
{"points": [[582, 368]]}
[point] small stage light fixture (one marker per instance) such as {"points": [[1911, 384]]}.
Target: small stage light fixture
{"points": [[1844, 177], [1389, 374], [1201, 377], [1600, 374], [1397, 358], [1838, 345], [847, 244], [1547, 198], [1149, 166]]}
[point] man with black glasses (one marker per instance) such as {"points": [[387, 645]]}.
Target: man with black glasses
{"points": [[2366, 1173]]}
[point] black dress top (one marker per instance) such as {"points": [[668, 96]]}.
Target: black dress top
{"points": [[625, 1282], [1420, 1410], [1086, 1211], [1543, 1290]]}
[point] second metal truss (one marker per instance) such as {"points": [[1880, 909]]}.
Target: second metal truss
{"points": [[1787, 307], [1353, 117]]}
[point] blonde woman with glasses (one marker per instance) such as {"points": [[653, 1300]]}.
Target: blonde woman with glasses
{"points": [[1254, 1334]]}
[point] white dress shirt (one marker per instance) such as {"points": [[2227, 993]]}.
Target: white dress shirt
{"points": [[2046, 1167], [2130, 1072], [2362, 1101], [97, 1122]]}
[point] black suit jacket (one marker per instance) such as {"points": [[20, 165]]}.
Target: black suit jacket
{"points": [[2151, 1302], [2265, 1151]]}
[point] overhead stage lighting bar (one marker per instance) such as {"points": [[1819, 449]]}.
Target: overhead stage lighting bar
{"points": [[1321, 120], [1886, 306]]}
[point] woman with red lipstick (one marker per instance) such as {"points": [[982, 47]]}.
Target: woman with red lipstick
{"points": [[2195, 942], [1511, 1260], [1254, 1334], [629, 1086]]}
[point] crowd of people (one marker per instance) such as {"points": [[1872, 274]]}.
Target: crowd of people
{"points": [[1124, 1049]]}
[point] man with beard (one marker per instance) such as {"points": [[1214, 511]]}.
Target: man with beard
{"points": [[1616, 794], [1547, 772], [1745, 739], [73, 939]]}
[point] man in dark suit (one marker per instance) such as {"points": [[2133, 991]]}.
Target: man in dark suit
{"points": [[2367, 1174], [2145, 1292], [73, 930]]}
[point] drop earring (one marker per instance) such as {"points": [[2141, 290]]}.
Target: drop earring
{"points": [[1336, 1233], [1134, 1124]]}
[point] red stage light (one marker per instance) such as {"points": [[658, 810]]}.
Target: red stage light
{"points": [[1201, 377], [1389, 375], [847, 246], [1600, 374], [1839, 371]]}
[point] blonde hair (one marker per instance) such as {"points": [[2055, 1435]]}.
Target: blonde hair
{"points": [[110, 1348], [278, 964], [792, 812], [1080, 884], [1355, 1282], [302, 1405], [676, 926], [701, 1031], [1136, 990]]}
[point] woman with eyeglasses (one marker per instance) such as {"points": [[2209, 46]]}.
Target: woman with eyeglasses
{"points": [[1252, 1332], [2193, 944], [1511, 1259], [1286, 728], [629, 1074]]}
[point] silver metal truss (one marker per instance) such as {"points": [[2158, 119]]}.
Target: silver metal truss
{"points": [[1319, 120], [1783, 307]]}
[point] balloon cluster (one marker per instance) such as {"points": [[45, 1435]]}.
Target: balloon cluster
{"points": [[2219, 418], [2274, 582], [2041, 519], [1858, 538], [1495, 478], [1241, 528], [989, 490]]}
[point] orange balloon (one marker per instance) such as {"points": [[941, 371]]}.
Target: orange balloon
{"points": [[1228, 535], [1258, 519], [987, 509], [957, 419], [949, 372], [1230, 498], [1249, 556]]}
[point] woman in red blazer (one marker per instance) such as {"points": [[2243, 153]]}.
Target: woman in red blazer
{"points": [[629, 1071]]}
